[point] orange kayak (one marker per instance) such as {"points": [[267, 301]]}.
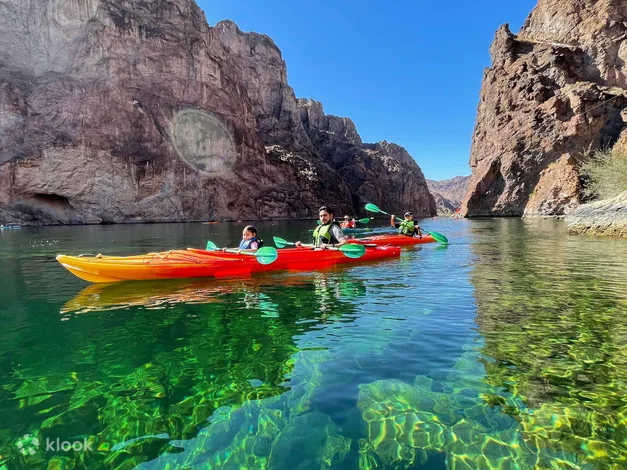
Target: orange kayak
{"points": [[396, 240], [192, 263], [167, 265]]}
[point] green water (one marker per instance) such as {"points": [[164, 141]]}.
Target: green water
{"points": [[507, 349]]}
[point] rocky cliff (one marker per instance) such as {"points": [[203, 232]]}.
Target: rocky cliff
{"points": [[554, 91], [448, 194], [137, 110]]}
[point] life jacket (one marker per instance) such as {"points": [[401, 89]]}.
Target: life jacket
{"points": [[323, 234], [407, 227], [245, 244], [349, 224]]}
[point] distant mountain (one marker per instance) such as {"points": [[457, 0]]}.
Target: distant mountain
{"points": [[448, 194]]}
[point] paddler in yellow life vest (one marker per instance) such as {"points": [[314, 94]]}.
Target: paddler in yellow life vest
{"points": [[328, 233], [408, 226]]}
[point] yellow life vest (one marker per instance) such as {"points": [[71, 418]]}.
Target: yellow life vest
{"points": [[407, 228], [323, 234]]}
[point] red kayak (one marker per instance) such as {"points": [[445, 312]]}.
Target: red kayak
{"points": [[306, 258], [395, 240], [200, 263]]}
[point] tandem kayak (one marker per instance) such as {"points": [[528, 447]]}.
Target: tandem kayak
{"points": [[396, 240], [190, 263]]}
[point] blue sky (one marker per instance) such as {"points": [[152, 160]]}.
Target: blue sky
{"points": [[405, 72]]}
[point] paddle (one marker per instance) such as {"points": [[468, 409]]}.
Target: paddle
{"points": [[351, 250], [264, 255], [365, 220], [436, 236]]}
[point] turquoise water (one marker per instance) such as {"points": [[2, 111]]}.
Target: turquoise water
{"points": [[506, 349]]}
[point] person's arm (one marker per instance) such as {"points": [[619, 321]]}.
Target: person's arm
{"points": [[392, 223], [254, 246], [340, 237]]}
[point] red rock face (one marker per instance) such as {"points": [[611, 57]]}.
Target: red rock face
{"points": [[554, 91], [136, 110]]}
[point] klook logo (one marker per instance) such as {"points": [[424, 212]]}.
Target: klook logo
{"points": [[66, 446], [28, 445]]}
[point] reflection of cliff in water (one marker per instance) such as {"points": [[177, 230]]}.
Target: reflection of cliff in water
{"points": [[142, 364], [551, 310]]}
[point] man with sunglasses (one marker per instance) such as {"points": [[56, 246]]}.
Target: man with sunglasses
{"points": [[408, 226], [328, 233]]}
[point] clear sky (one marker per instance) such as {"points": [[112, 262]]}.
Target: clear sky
{"points": [[408, 72]]}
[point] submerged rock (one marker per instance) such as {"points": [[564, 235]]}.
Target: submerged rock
{"points": [[607, 217]]}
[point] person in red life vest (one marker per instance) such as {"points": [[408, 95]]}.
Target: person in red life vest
{"points": [[348, 222]]}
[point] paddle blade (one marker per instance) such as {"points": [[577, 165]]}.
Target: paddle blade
{"points": [[353, 250], [438, 237], [365, 220], [280, 242], [266, 255], [318, 222], [211, 246], [372, 208]]}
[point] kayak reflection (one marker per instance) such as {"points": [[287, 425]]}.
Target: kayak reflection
{"points": [[149, 294], [330, 291]]}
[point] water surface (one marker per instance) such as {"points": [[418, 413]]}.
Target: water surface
{"points": [[505, 349]]}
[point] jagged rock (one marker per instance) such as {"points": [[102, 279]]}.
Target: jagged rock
{"points": [[553, 92], [448, 194], [607, 217], [443, 205], [137, 110], [383, 173]]}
